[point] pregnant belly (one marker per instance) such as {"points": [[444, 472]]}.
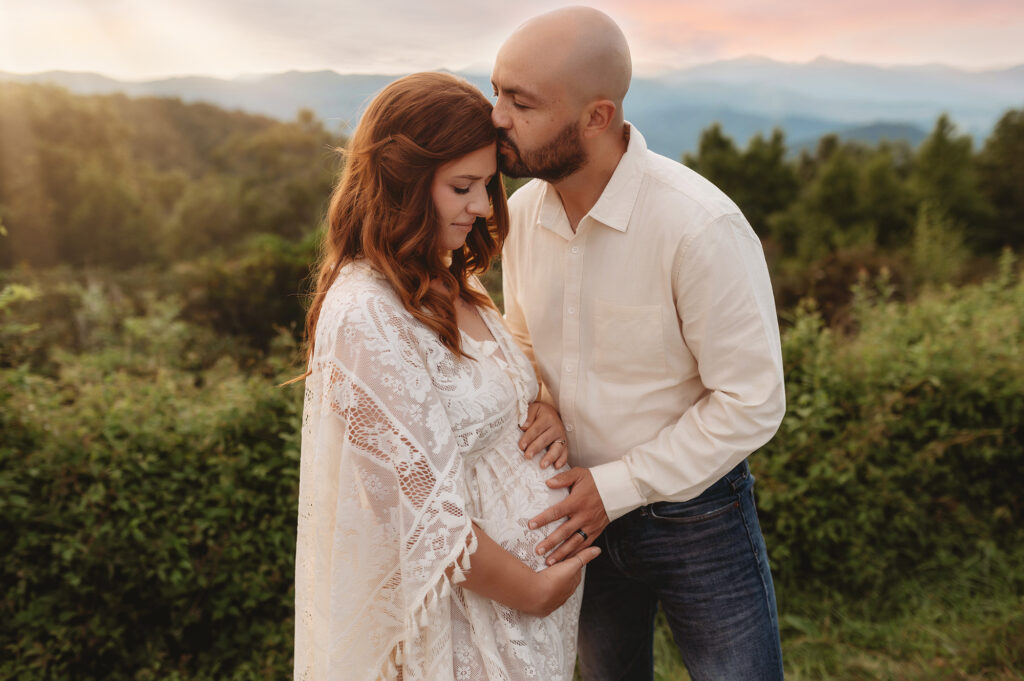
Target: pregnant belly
{"points": [[505, 491]]}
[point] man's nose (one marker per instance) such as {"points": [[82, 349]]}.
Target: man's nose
{"points": [[499, 117]]}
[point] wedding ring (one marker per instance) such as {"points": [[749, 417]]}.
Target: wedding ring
{"points": [[561, 442], [582, 534]]}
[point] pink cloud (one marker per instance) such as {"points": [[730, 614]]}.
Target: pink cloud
{"points": [[871, 30]]}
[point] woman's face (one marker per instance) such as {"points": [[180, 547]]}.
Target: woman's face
{"points": [[459, 191]]}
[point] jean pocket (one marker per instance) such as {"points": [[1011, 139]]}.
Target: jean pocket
{"points": [[688, 512]]}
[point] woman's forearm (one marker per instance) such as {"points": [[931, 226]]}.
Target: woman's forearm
{"points": [[498, 575]]}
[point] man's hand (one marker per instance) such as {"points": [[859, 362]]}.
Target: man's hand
{"points": [[543, 428], [584, 510]]}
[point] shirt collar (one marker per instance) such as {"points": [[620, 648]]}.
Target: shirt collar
{"points": [[615, 205]]}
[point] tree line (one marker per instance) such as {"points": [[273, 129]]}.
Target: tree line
{"points": [[230, 203]]}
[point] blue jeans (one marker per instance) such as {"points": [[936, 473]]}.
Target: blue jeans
{"points": [[705, 561]]}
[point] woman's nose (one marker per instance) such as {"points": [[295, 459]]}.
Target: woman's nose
{"points": [[480, 205]]}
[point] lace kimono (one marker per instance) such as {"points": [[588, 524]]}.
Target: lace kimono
{"points": [[404, 445]]}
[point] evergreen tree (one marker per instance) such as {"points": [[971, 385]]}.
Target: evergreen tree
{"points": [[945, 177], [758, 179], [884, 198], [1001, 175]]}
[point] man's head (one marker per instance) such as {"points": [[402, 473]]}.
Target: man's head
{"points": [[560, 79]]}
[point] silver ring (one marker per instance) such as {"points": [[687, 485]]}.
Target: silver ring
{"points": [[582, 534], [561, 442]]}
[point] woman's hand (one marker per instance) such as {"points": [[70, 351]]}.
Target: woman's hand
{"points": [[555, 584], [543, 428], [500, 576]]}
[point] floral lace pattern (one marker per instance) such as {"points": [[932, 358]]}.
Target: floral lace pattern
{"points": [[404, 446]]}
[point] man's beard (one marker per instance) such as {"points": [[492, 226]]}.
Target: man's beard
{"points": [[558, 159]]}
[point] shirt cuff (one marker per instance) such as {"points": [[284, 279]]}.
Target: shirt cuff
{"points": [[615, 485]]}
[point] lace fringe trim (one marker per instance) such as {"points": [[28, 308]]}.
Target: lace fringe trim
{"points": [[420, 614]]}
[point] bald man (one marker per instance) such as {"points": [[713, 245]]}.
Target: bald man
{"points": [[642, 296]]}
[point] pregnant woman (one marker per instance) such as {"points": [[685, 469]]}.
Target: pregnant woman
{"points": [[414, 559]]}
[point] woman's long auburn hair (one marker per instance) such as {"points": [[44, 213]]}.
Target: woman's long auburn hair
{"points": [[382, 210]]}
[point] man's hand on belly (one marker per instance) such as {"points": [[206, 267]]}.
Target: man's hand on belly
{"points": [[583, 510]]}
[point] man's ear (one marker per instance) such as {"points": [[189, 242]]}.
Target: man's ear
{"points": [[598, 115]]}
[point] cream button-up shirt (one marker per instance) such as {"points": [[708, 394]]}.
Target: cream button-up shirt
{"points": [[652, 328]]}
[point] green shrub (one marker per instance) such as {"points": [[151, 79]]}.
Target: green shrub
{"points": [[148, 479], [98, 311], [148, 514], [253, 295], [902, 443], [937, 250]]}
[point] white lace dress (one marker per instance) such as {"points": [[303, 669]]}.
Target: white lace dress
{"points": [[404, 445]]}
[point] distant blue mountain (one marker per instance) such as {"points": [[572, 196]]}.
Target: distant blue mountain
{"points": [[872, 134], [746, 96]]}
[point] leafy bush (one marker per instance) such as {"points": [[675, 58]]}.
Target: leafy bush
{"points": [[255, 294], [148, 480], [901, 443], [148, 513]]}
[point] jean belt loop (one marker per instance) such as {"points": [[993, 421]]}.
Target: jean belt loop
{"points": [[738, 475]]}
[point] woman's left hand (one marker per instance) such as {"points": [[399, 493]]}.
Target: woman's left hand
{"points": [[543, 428]]}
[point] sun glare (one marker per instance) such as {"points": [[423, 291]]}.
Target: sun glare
{"points": [[141, 39]]}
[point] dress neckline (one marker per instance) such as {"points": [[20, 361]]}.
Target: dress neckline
{"points": [[501, 350], [491, 348]]}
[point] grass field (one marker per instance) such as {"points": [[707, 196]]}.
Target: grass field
{"points": [[956, 629]]}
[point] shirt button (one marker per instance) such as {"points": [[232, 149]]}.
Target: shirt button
{"points": [[572, 310], [575, 249], [568, 368], [569, 428]]}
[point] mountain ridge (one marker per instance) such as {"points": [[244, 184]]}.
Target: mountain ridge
{"points": [[747, 95]]}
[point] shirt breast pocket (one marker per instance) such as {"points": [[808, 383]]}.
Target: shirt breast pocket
{"points": [[629, 342]]}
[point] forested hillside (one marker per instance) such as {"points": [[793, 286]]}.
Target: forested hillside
{"points": [[154, 260], [117, 182]]}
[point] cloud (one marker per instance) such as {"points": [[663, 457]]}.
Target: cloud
{"points": [[141, 38], [868, 30]]}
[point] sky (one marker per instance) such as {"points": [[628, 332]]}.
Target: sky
{"points": [[146, 39]]}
